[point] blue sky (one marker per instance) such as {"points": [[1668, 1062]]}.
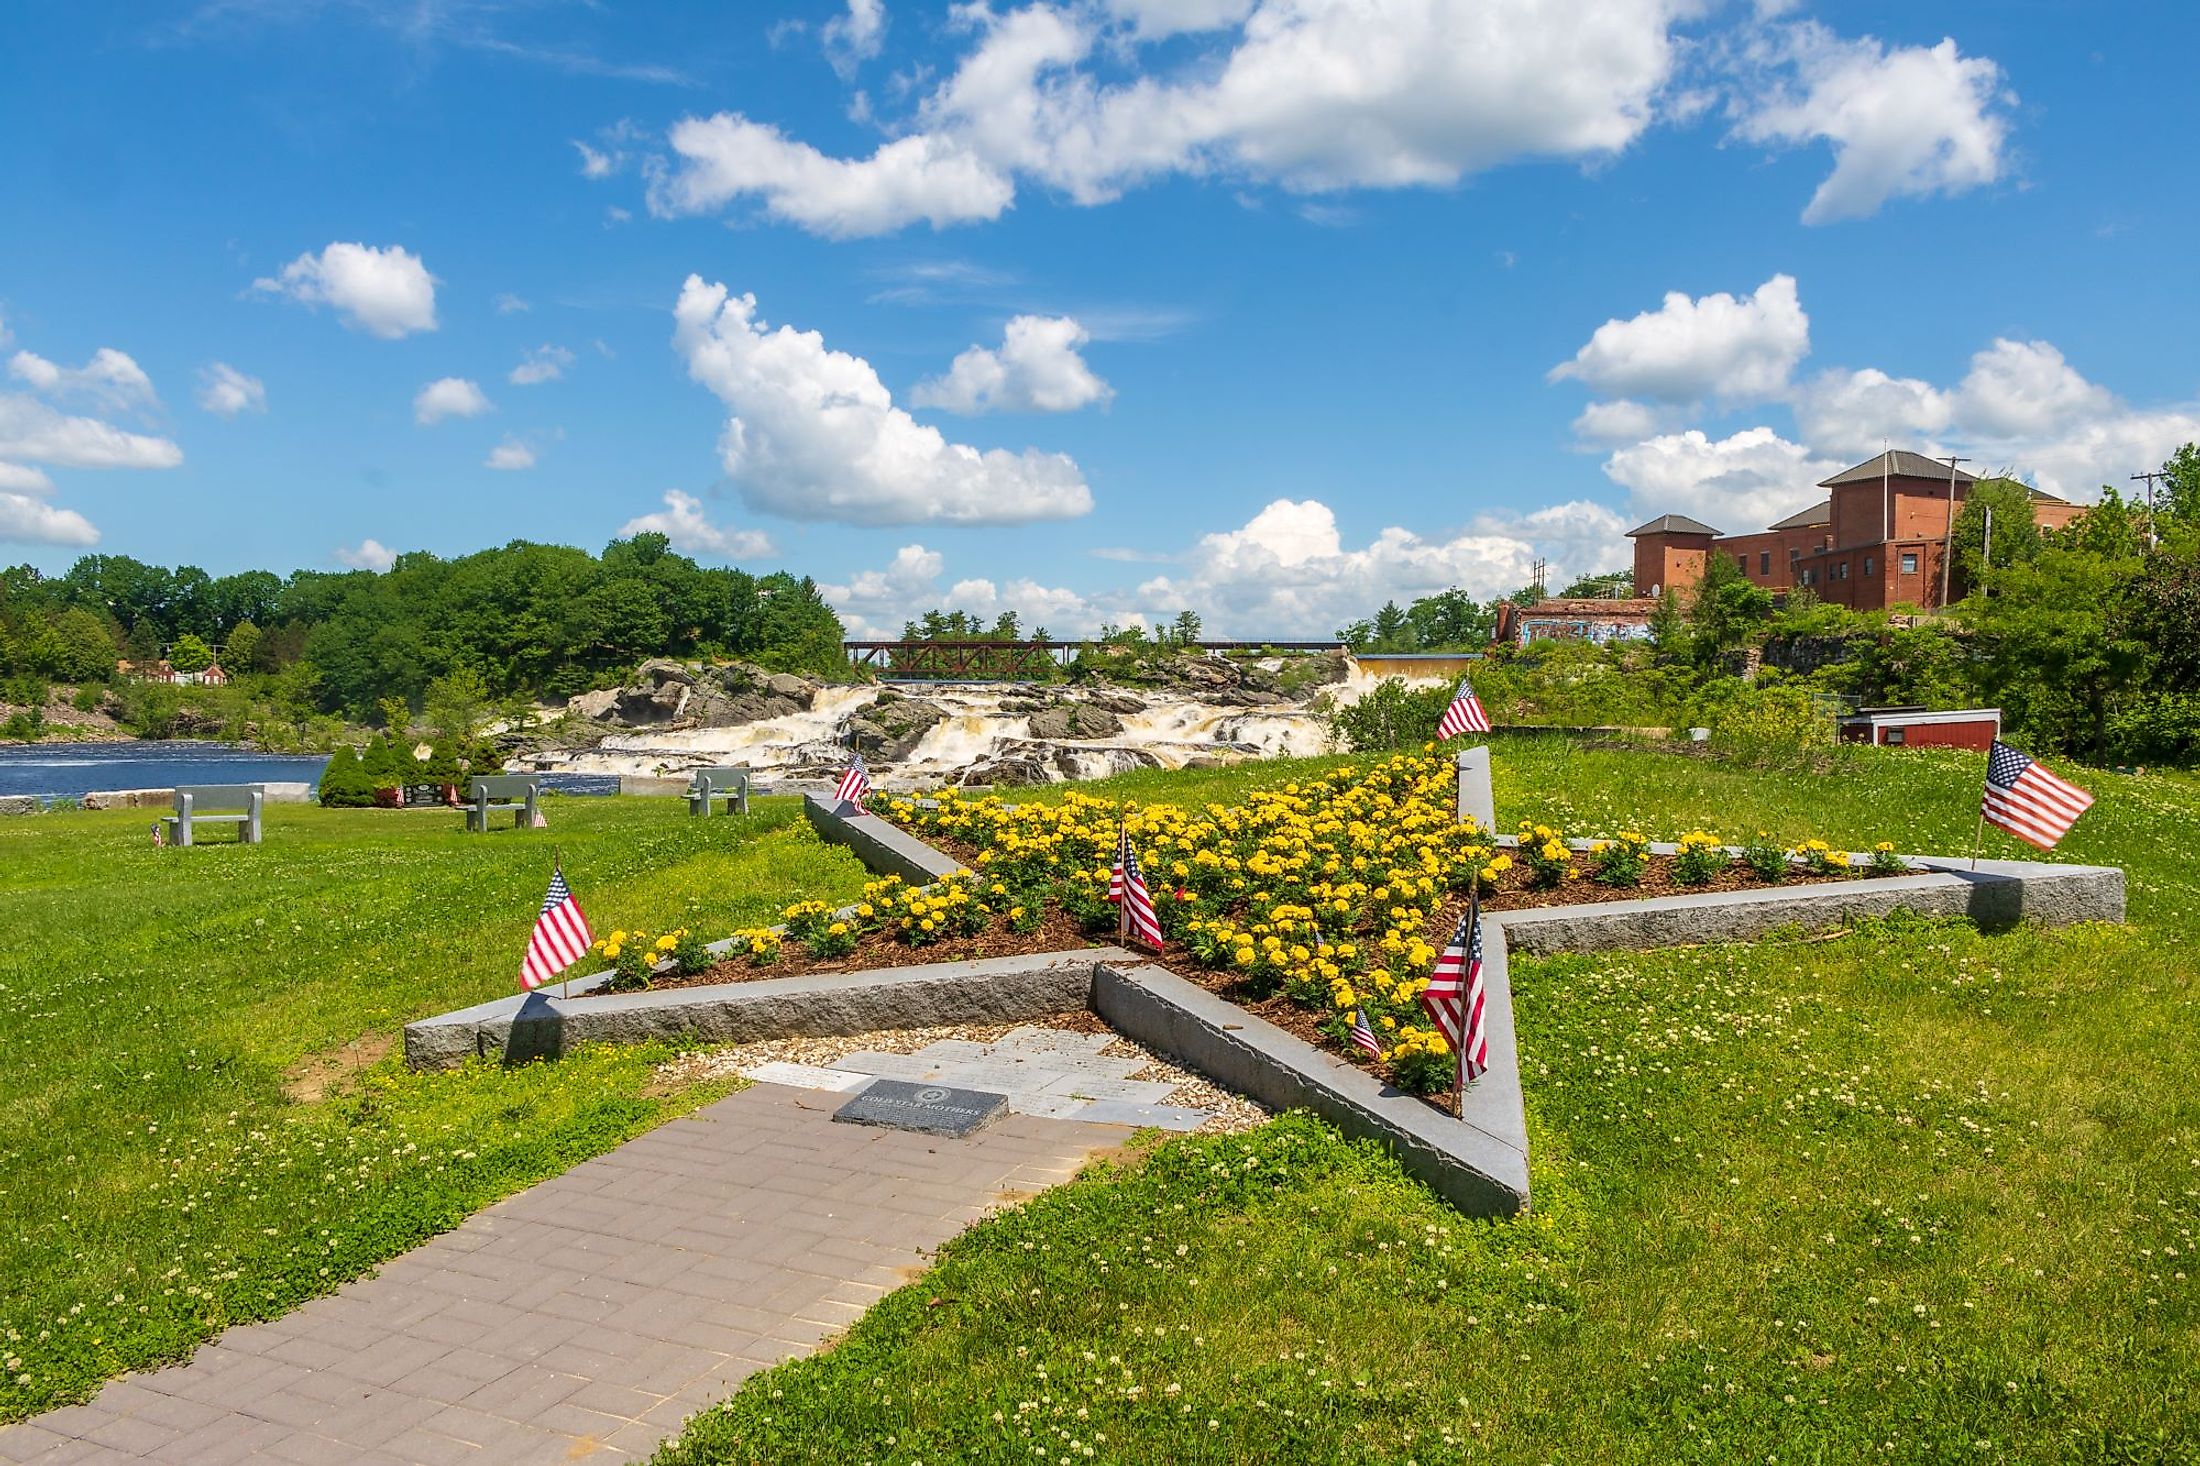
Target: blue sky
{"points": [[1098, 309]]}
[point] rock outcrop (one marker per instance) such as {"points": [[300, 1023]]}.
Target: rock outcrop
{"points": [[1075, 721], [664, 694], [890, 729], [741, 692]]}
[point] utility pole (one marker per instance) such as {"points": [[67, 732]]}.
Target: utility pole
{"points": [[1948, 539], [1986, 553], [2150, 478]]}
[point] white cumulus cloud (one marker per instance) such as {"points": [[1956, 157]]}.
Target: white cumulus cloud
{"points": [[2027, 389], [511, 455], [854, 35], [1036, 369], [112, 380], [542, 364], [29, 520], [25, 478], [367, 555], [1851, 414], [32, 432], [225, 391], [1737, 484], [1902, 120], [1621, 420], [448, 397], [1288, 571], [1718, 345], [813, 434], [875, 603], [1308, 94], [728, 157], [683, 522], [385, 292]]}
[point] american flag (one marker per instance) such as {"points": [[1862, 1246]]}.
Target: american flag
{"points": [[1454, 997], [1465, 715], [1363, 1036], [855, 784], [2023, 798], [1128, 885], [561, 936]]}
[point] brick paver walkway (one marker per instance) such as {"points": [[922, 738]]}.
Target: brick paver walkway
{"points": [[585, 1318]]}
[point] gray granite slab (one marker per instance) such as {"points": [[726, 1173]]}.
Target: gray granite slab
{"points": [[933, 1109]]}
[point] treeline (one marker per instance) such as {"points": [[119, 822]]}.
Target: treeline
{"points": [[2087, 638], [527, 620], [1453, 621]]}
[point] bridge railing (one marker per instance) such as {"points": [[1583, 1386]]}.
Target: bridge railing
{"points": [[957, 661]]}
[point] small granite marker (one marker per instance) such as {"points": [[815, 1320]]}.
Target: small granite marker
{"points": [[933, 1109]]}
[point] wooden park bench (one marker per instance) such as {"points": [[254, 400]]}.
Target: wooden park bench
{"points": [[489, 793], [730, 784], [194, 800]]}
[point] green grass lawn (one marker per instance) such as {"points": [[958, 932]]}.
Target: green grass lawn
{"points": [[1913, 1194], [157, 1178]]}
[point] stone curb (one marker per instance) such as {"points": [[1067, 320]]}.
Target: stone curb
{"points": [[543, 1025], [1478, 1163], [883, 848]]}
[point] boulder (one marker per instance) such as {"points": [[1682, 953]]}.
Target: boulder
{"points": [[1075, 721], [600, 706], [741, 692], [889, 732], [1014, 771], [1117, 702]]}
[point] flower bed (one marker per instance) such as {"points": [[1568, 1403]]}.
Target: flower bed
{"points": [[1302, 904]]}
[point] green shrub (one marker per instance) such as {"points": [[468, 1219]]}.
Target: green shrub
{"points": [[344, 783], [1773, 725]]}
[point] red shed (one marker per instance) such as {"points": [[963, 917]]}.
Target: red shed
{"points": [[1907, 727]]}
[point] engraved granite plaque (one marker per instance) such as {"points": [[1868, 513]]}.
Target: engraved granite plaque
{"points": [[934, 1109]]}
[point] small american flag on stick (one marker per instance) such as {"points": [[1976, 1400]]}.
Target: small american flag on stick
{"points": [[561, 936], [2023, 798], [1454, 998], [1465, 715], [1128, 885], [855, 785], [1363, 1035]]}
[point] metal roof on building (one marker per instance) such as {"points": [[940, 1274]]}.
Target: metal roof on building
{"points": [[1898, 462], [1817, 514], [1672, 524]]}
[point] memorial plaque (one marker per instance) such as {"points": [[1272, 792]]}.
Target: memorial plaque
{"points": [[933, 1109]]}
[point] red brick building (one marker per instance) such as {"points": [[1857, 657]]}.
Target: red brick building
{"points": [[1576, 619], [1876, 540]]}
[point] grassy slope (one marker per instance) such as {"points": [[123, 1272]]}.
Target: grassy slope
{"points": [[1915, 1194], [156, 1183]]}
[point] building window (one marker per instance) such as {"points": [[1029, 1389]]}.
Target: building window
{"points": [[1741, 562], [1898, 735], [1909, 564], [1841, 571], [1764, 562], [1867, 567], [1794, 554]]}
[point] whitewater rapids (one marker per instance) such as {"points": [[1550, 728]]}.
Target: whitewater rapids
{"points": [[1173, 731]]}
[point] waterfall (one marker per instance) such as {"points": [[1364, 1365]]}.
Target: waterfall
{"points": [[1170, 732]]}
